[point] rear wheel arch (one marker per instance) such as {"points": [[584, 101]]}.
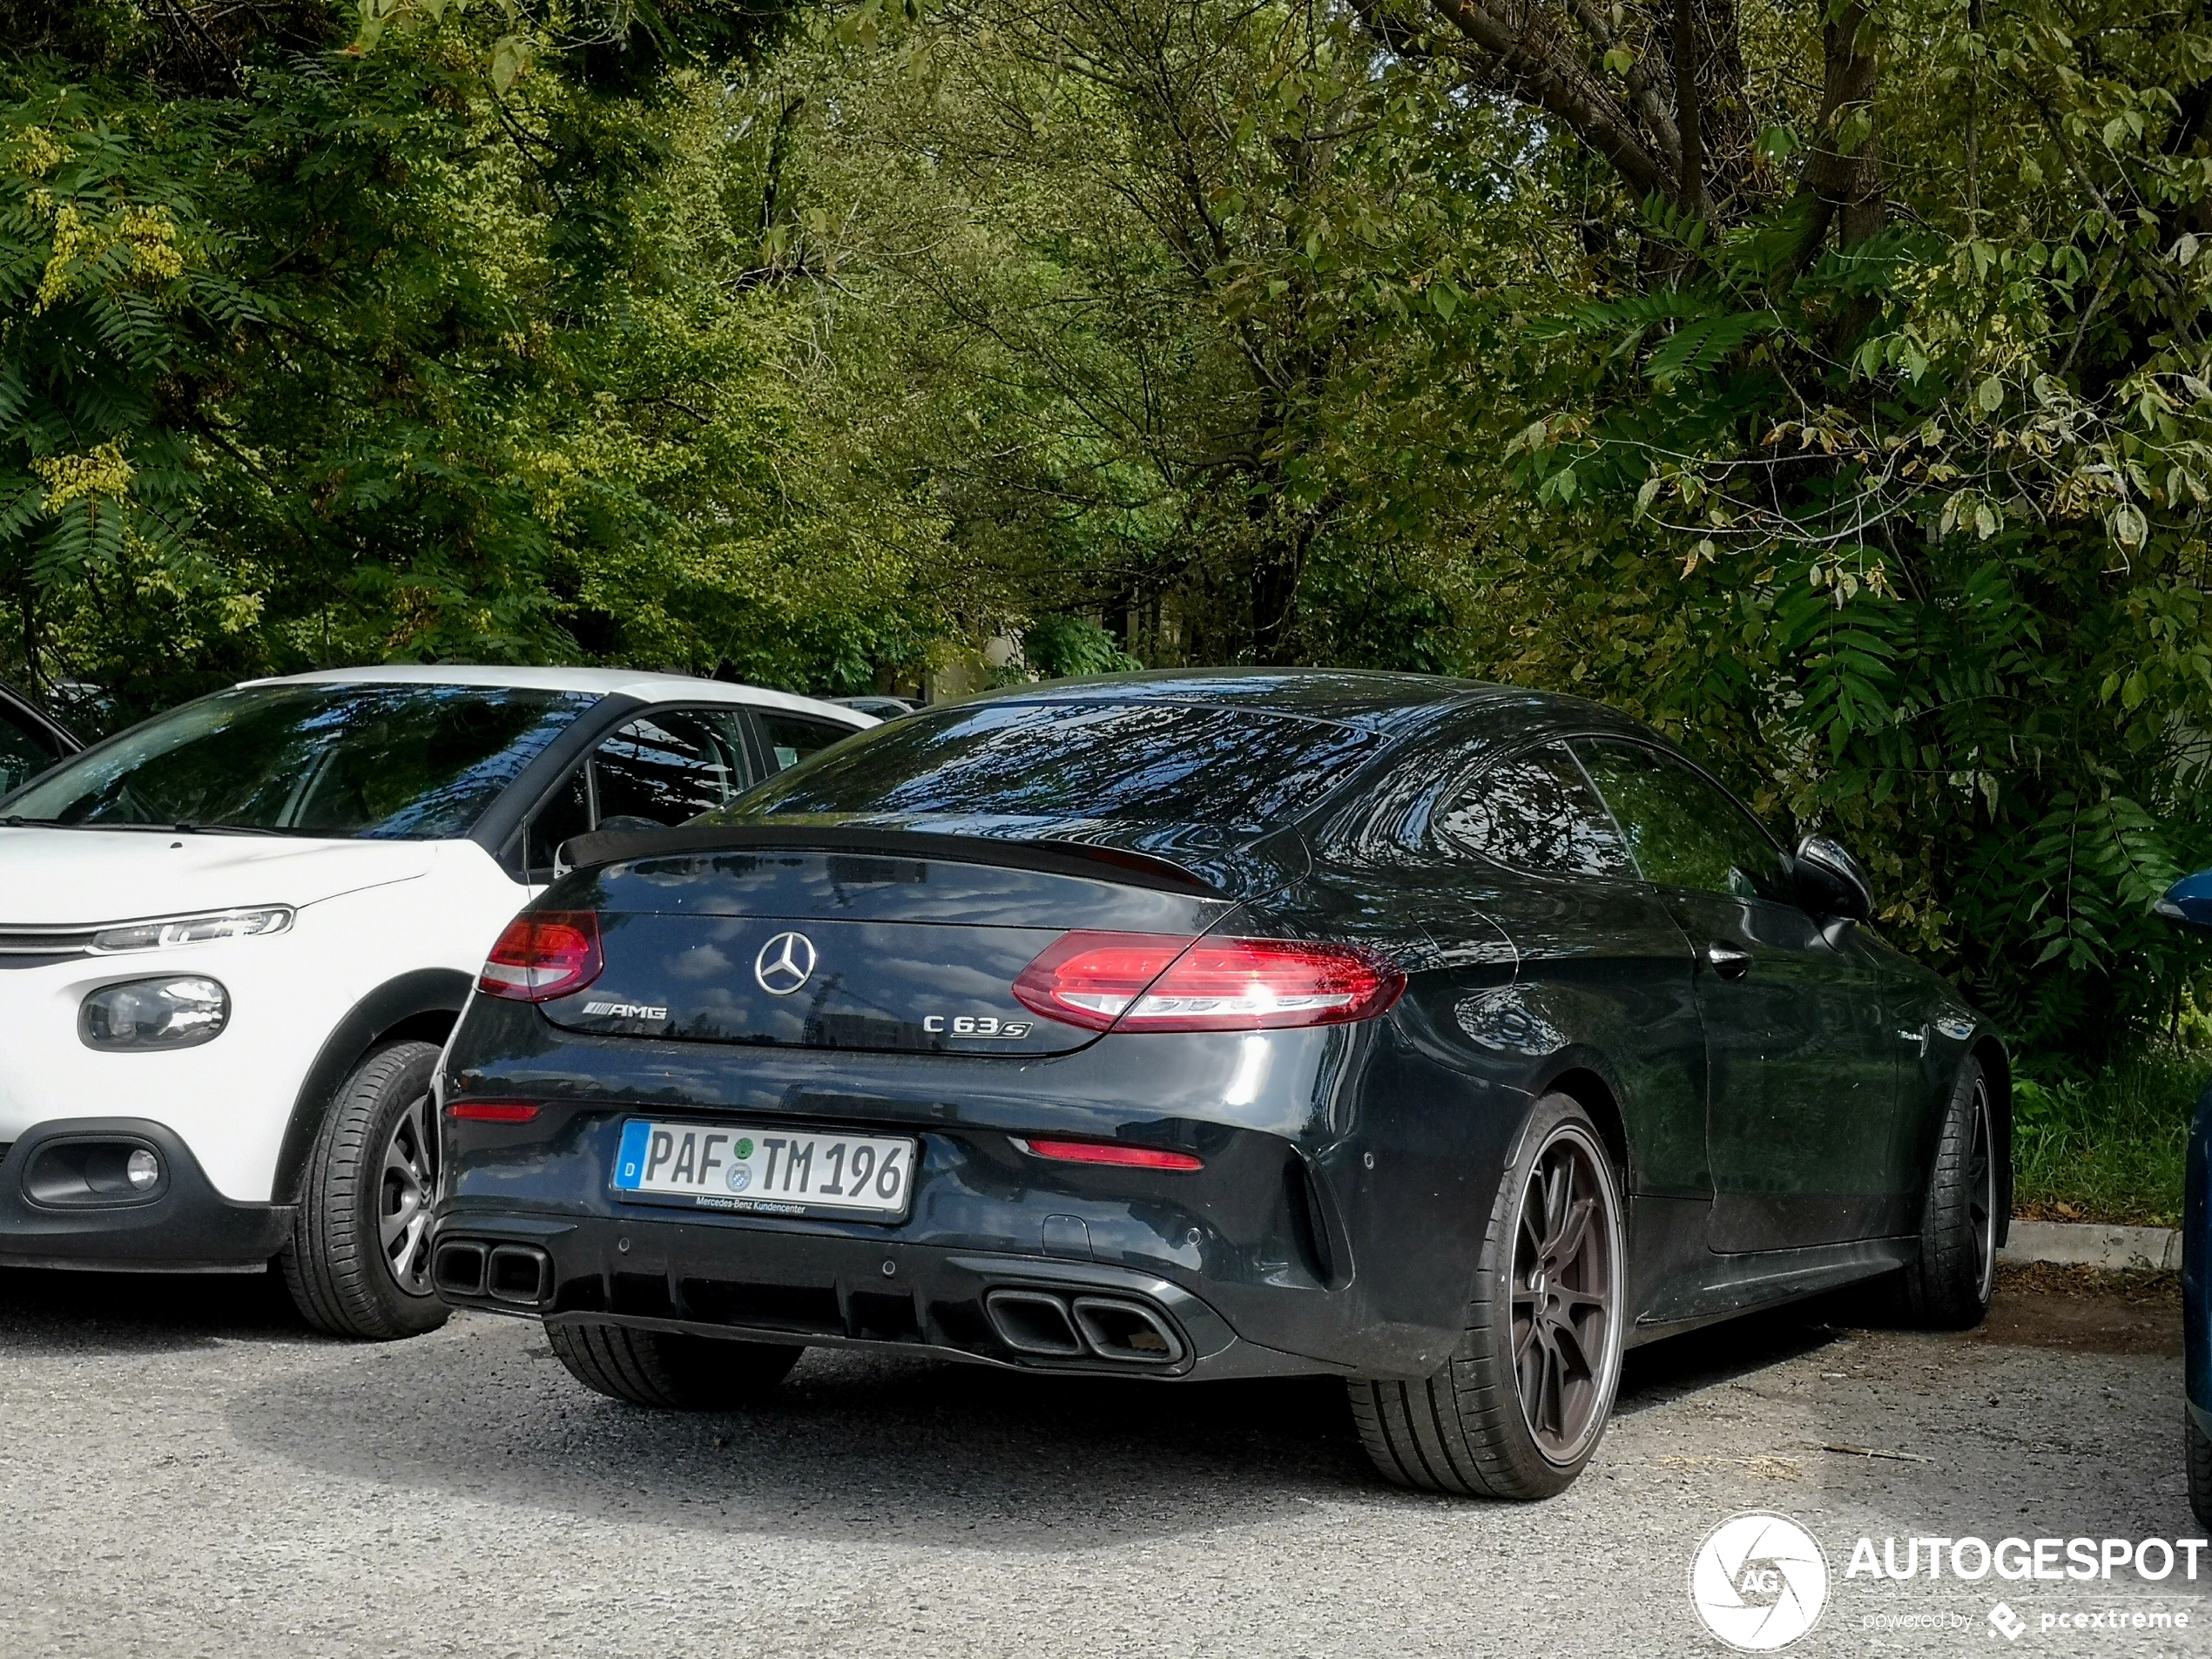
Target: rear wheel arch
{"points": [[1591, 1091], [420, 1006]]}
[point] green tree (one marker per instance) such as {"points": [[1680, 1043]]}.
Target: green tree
{"points": [[1875, 445], [426, 343]]}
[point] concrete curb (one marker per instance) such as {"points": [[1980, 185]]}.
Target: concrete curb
{"points": [[2075, 1244]]}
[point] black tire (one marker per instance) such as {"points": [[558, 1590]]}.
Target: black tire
{"points": [[1468, 1429], [668, 1370], [1948, 1286], [2199, 1457], [371, 1170]]}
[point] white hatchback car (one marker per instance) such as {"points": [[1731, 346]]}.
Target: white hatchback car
{"points": [[233, 938]]}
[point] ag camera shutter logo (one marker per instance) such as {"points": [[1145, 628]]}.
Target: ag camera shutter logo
{"points": [[1758, 1581]]}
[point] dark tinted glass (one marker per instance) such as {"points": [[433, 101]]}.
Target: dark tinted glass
{"points": [[670, 766], [1537, 811], [410, 762], [565, 812], [793, 738], [23, 753], [1150, 762], [1681, 830]]}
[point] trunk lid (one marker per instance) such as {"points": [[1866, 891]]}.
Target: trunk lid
{"points": [[841, 938]]}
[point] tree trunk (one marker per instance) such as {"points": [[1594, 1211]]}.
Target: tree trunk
{"points": [[1689, 182], [1274, 586], [1544, 53], [1845, 176]]}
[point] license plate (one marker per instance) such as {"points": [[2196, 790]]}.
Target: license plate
{"points": [[765, 1172]]}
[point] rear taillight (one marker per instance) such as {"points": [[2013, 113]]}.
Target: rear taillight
{"points": [[1161, 983], [543, 954], [1091, 979]]}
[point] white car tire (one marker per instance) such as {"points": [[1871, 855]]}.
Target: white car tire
{"points": [[358, 1264]]}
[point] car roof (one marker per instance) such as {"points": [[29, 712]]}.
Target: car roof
{"points": [[1392, 703], [26, 707], [603, 682]]}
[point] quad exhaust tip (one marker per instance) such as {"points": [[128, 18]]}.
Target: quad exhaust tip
{"points": [[458, 1267], [519, 1275], [1104, 1327]]}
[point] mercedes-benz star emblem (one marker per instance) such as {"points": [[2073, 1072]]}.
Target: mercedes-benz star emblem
{"points": [[785, 962]]}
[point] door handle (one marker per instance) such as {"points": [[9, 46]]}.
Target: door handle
{"points": [[1729, 963]]}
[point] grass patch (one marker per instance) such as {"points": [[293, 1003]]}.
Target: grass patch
{"points": [[2110, 1147]]}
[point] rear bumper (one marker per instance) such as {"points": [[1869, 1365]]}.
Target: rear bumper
{"points": [[1336, 1220], [712, 1278], [62, 1204]]}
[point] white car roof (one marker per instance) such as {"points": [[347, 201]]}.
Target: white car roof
{"points": [[604, 682]]}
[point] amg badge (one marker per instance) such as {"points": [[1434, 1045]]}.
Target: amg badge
{"points": [[625, 1011]]}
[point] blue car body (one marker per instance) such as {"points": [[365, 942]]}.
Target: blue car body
{"points": [[2188, 903], [2196, 1262]]}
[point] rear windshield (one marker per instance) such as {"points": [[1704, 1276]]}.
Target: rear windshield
{"points": [[393, 762], [1149, 762]]}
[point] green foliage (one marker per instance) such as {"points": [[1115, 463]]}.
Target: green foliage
{"points": [[352, 356], [1063, 647], [1912, 532], [2111, 1144]]}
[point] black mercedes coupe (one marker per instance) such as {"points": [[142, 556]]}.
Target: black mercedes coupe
{"points": [[1445, 1037]]}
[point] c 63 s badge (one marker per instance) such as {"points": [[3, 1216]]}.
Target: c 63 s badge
{"points": [[983, 1028]]}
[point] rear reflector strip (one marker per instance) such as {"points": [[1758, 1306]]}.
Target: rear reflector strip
{"points": [[1132, 1158], [492, 1111]]}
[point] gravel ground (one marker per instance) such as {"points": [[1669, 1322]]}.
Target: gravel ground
{"points": [[186, 1472]]}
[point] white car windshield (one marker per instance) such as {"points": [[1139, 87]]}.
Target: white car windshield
{"points": [[403, 762]]}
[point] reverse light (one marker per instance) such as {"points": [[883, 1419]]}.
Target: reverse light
{"points": [[1164, 982], [492, 1111], [194, 930], [543, 954], [1130, 1158]]}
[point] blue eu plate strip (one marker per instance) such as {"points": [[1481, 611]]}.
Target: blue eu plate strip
{"points": [[630, 1162]]}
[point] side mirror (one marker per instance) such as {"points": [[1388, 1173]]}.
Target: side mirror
{"points": [[1831, 884], [2188, 903]]}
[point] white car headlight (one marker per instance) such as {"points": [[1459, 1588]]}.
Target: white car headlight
{"points": [[194, 930], [178, 1013]]}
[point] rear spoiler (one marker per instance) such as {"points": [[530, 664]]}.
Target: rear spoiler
{"points": [[1051, 858]]}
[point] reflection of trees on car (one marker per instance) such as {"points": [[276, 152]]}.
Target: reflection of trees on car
{"points": [[1115, 760]]}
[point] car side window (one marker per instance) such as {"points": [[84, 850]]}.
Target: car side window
{"points": [[1536, 811], [23, 754], [564, 813], [1683, 830], [792, 737], [669, 766]]}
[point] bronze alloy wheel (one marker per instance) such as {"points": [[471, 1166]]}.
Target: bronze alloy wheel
{"points": [[1521, 1403], [1567, 1295], [1946, 1286], [1981, 1189], [410, 1174]]}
